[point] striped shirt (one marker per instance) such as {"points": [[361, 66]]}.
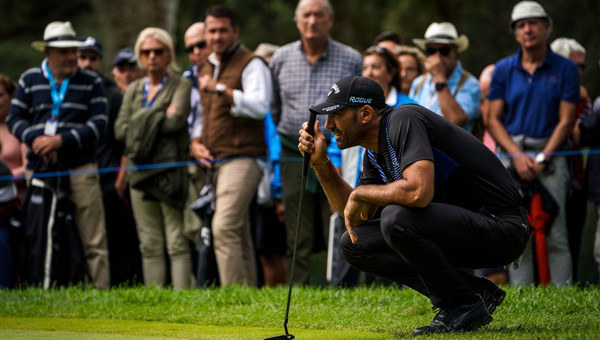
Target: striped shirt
{"points": [[82, 118], [298, 85]]}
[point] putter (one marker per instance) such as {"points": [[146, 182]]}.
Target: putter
{"points": [[287, 335]]}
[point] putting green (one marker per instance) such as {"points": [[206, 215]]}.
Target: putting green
{"points": [[102, 329]]}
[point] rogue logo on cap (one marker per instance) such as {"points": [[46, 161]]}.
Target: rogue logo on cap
{"points": [[360, 100]]}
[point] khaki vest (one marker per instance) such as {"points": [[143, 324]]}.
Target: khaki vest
{"points": [[225, 135]]}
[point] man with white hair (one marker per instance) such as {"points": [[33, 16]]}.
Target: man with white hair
{"points": [[446, 88], [197, 50], [303, 71], [571, 49], [59, 111], [533, 96], [577, 199]]}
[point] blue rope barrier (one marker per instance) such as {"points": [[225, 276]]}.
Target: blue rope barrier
{"points": [[221, 160]]}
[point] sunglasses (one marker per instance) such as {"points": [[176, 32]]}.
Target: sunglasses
{"points": [[444, 51], [157, 51], [200, 45], [377, 49]]}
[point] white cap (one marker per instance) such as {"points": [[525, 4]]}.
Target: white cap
{"points": [[527, 9]]}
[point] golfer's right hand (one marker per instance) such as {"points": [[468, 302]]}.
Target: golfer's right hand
{"points": [[315, 145], [350, 218]]}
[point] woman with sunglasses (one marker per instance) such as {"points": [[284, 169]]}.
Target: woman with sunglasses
{"points": [[152, 123], [380, 65]]}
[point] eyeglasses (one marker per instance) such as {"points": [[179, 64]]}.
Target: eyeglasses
{"points": [[377, 49], [444, 51], [157, 51], [200, 45]]}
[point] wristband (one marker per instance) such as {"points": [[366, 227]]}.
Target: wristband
{"points": [[317, 164]]}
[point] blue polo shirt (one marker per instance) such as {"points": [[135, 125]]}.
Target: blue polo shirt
{"points": [[532, 101]]}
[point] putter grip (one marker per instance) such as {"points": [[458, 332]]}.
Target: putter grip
{"points": [[311, 131]]}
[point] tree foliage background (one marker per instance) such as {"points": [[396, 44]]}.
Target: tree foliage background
{"points": [[116, 24]]}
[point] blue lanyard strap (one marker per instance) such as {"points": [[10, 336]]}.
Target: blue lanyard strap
{"points": [[392, 163], [57, 97], [147, 87]]}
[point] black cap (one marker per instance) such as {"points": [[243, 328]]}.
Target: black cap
{"points": [[351, 91], [124, 55]]}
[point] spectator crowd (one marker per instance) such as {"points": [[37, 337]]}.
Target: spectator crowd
{"points": [[194, 178]]}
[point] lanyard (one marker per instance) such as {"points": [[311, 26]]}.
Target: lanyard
{"points": [[358, 165], [394, 167], [147, 87], [57, 97]]}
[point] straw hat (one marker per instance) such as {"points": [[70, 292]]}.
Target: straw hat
{"points": [[443, 33], [58, 34]]}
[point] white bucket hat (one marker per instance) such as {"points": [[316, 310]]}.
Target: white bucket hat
{"points": [[58, 34], [527, 9], [443, 33]]}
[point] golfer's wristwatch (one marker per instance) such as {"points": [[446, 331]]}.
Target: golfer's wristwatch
{"points": [[221, 88], [540, 158]]}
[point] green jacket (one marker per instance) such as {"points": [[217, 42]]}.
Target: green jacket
{"points": [[152, 137]]}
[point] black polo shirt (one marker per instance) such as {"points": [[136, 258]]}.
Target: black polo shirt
{"points": [[467, 173]]}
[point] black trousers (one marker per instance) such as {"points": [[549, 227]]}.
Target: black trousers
{"points": [[423, 248]]}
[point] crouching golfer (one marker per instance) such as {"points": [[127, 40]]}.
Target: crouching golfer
{"points": [[431, 200]]}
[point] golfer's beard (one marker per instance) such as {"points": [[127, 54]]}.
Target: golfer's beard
{"points": [[346, 141]]}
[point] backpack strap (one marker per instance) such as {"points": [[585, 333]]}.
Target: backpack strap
{"points": [[463, 78], [421, 83]]}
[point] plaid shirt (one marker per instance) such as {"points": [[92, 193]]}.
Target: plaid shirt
{"points": [[298, 85]]}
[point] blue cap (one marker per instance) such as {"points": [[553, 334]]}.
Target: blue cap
{"points": [[125, 55], [90, 43]]}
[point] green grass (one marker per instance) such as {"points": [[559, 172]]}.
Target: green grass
{"points": [[316, 313]]}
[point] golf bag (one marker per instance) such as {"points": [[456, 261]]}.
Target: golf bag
{"points": [[208, 272], [54, 253]]}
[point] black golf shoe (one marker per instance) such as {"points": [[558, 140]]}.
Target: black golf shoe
{"points": [[462, 318], [492, 294]]}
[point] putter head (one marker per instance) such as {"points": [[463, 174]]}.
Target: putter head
{"points": [[281, 337]]}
